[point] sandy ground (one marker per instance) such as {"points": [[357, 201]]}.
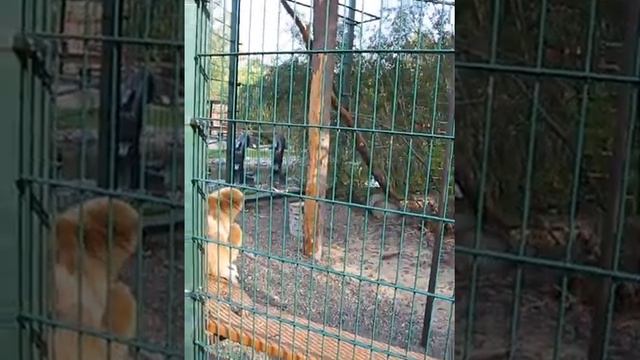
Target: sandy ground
{"points": [[537, 325], [354, 302], [158, 285], [485, 328]]}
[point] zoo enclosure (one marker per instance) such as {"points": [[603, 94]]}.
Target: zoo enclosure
{"points": [[96, 77], [266, 94]]}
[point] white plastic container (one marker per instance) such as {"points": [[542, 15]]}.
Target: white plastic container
{"points": [[295, 218]]}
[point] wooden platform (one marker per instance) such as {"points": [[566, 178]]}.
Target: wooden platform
{"points": [[280, 339]]}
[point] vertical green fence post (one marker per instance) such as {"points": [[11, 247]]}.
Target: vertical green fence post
{"points": [[442, 208], [232, 101], [348, 57], [109, 93], [9, 25], [190, 303]]}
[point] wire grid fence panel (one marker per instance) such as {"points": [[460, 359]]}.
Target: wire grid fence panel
{"points": [[392, 65], [549, 162], [99, 99]]}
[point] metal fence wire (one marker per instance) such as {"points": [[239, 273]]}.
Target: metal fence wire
{"points": [[100, 154], [547, 223], [383, 279]]}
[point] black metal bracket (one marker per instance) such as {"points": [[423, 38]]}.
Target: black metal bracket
{"points": [[38, 340], [197, 295], [35, 335], [39, 52], [201, 126], [24, 187]]}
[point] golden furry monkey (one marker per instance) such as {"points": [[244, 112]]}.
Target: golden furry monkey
{"points": [[224, 206], [97, 272]]}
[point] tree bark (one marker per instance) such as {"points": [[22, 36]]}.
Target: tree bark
{"points": [[325, 26], [345, 115]]}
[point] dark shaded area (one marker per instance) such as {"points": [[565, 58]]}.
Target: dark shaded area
{"points": [[138, 91], [547, 166], [239, 152], [279, 146]]}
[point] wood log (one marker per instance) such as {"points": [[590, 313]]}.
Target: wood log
{"points": [[325, 25]]}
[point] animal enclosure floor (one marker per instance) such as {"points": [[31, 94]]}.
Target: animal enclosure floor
{"points": [[537, 325], [161, 320], [363, 302]]}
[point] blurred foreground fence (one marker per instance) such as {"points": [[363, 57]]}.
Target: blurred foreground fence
{"points": [[100, 109], [549, 163]]}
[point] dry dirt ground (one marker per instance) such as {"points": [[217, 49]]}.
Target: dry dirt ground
{"points": [[537, 326], [158, 285], [353, 246]]}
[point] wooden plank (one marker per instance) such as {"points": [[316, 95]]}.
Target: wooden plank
{"points": [[291, 339]]}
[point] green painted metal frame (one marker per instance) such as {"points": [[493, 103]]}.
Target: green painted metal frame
{"points": [[197, 25], [10, 23]]}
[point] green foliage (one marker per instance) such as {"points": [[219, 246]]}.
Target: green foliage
{"points": [[249, 72], [390, 91]]}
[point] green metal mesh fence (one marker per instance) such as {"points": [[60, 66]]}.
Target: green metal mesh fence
{"points": [[547, 106], [100, 103], [387, 262]]}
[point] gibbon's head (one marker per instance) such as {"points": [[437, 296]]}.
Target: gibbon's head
{"points": [[98, 215], [224, 206]]}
